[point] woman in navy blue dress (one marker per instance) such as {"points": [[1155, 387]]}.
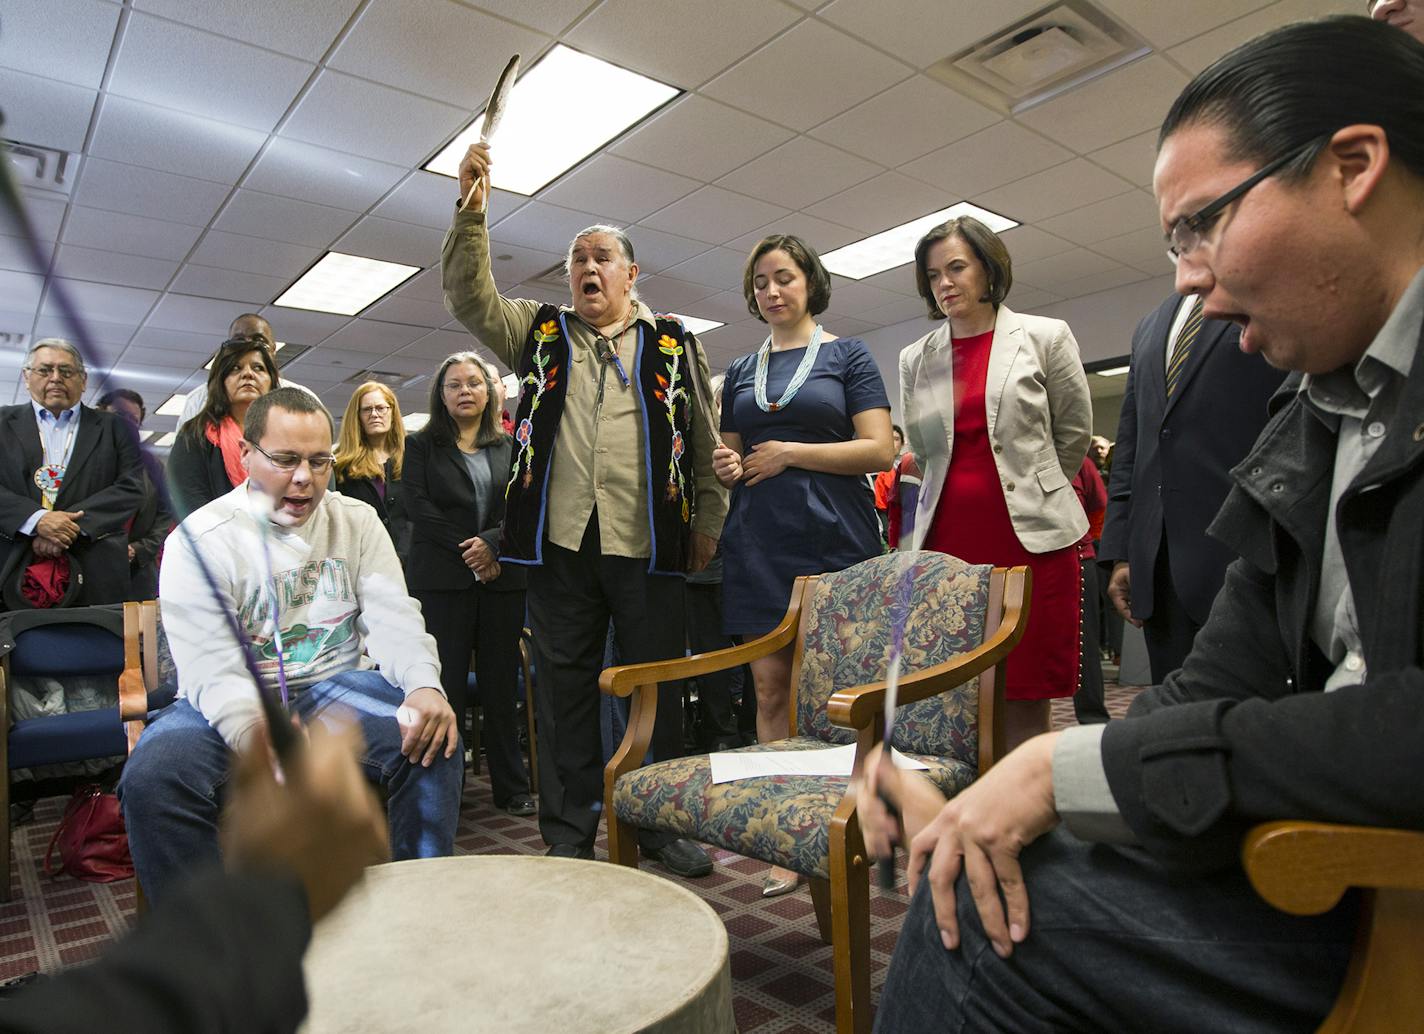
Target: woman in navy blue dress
{"points": [[804, 419]]}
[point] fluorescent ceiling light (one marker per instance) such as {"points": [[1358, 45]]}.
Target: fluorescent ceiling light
{"points": [[276, 347], [896, 246], [173, 407], [546, 131], [415, 421], [1116, 371], [345, 284], [697, 324]]}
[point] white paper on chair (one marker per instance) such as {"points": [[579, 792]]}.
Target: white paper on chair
{"points": [[728, 766]]}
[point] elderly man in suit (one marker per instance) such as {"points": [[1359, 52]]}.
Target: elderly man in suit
{"points": [[70, 477], [1194, 404]]}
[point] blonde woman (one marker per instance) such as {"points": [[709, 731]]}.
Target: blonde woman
{"points": [[369, 456]]}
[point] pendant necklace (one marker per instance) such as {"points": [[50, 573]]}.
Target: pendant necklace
{"points": [[49, 477], [803, 370]]}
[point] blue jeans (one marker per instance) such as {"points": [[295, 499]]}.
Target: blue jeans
{"points": [[173, 784], [1116, 943]]}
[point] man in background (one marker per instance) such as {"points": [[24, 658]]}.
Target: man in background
{"points": [[153, 521]]}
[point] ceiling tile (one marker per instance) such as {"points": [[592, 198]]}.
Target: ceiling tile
{"points": [[45, 217], [1197, 53], [1029, 243], [1164, 26], [907, 120], [818, 233], [1069, 265], [373, 336], [20, 291], [923, 31], [538, 290], [229, 284], [143, 356], [798, 173], [110, 337], [329, 364], [108, 267], [1104, 281], [1026, 299], [158, 340], [158, 138], [425, 287], [512, 264], [1052, 191], [727, 306], [302, 325], [541, 226], [148, 192], [852, 297], [46, 112], [255, 214], [622, 190], [175, 66], [898, 312], [289, 168], [990, 158], [78, 54], [665, 294], [151, 238], [841, 325], [658, 251], [433, 48], [1141, 249], [15, 255], [636, 35], [195, 315], [438, 344], [305, 30], [765, 82], [393, 242], [253, 255], [105, 302], [1132, 159], [340, 111], [425, 199], [698, 137], [551, 16], [885, 201], [734, 340], [1124, 102], [1135, 210], [899, 280], [719, 269], [714, 215], [417, 312]]}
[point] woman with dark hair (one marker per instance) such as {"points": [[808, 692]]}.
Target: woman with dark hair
{"points": [[453, 485], [997, 410], [206, 461], [370, 453], [804, 419]]}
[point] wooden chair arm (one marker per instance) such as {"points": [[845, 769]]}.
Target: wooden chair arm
{"points": [[625, 678], [133, 691], [1305, 867], [859, 707]]}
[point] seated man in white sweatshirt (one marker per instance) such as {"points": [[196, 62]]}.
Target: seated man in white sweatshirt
{"points": [[337, 596]]}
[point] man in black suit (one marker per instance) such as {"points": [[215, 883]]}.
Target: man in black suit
{"points": [[1194, 404], [70, 477], [153, 521]]}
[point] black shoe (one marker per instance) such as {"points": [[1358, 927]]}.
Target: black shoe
{"points": [[682, 857], [569, 851], [521, 804]]}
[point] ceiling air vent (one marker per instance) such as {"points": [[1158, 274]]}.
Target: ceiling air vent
{"points": [[394, 381], [1039, 57], [555, 274], [40, 168], [13, 339]]}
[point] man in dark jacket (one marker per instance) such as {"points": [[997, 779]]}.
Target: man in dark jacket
{"points": [[1292, 192], [153, 521]]}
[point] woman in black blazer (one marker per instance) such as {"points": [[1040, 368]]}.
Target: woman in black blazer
{"points": [[370, 454], [205, 461], [453, 484]]}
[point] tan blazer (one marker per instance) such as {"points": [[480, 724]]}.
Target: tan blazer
{"points": [[1040, 421]]}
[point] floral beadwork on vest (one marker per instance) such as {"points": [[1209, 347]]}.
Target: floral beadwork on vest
{"points": [[663, 386]]}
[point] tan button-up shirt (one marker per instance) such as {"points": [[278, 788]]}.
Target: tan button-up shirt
{"points": [[599, 453]]}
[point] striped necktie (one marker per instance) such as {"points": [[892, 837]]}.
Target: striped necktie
{"points": [[1183, 349]]}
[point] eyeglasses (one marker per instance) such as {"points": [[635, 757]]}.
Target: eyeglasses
{"points": [[454, 387], [44, 373], [286, 461], [1188, 232], [375, 410]]}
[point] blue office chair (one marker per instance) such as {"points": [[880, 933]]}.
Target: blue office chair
{"points": [[60, 644]]}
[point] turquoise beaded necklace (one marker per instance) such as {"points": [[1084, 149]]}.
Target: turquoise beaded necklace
{"points": [[803, 370]]}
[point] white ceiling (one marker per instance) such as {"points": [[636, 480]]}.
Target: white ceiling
{"points": [[221, 148]]}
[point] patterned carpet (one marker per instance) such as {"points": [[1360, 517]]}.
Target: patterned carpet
{"points": [[781, 971]]}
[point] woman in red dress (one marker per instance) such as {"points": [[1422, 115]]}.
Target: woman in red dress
{"points": [[997, 411]]}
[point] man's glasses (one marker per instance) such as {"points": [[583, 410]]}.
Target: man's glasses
{"points": [[44, 373], [375, 410], [1188, 232], [286, 461]]}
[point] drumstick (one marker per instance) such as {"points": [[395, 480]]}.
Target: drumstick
{"points": [[899, 617]]}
